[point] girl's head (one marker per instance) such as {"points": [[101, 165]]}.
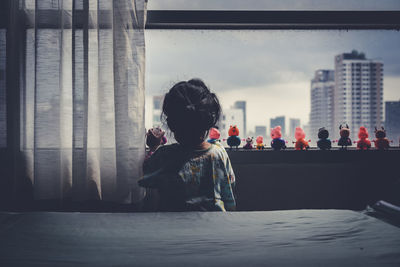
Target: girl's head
{"points": [[190, 110]]}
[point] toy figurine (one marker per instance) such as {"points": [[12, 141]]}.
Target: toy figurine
{"points": [[277, 143], [381, 142], [301, 143], [233, 139], [363, 142], [249, 143], [154, 138], [214, 136], [344, 140], [259, 142], [324, 143]]}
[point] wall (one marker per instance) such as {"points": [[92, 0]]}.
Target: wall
{"points": [[314, 179]]}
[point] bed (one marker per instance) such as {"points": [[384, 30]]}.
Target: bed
{"points": [[269, 238]]}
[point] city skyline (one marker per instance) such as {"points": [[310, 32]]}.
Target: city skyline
{"points": [[270, 70]]}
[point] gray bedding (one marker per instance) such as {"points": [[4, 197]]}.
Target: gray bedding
{"points": [[272, 238]]}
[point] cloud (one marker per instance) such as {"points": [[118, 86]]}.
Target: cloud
{"points": [[253, 58], [270, 69]]}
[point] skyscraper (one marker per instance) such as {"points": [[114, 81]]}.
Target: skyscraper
{"points": [[261, 130], [358, 93], [321, 115], [392, 120], [278, 121], [242, 105]]}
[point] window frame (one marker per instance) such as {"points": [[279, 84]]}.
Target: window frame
{"points": [[263, 20]]}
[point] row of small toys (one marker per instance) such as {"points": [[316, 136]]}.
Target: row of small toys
{"points": [[277, 142], [363, 143], [156, 137], [324, 143]]}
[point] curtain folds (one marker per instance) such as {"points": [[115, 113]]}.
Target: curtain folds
{"points": [[81, 108]]}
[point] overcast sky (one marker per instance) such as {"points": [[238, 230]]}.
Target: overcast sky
{"points": [[271, 70]]}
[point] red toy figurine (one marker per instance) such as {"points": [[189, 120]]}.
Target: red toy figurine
{"points": [[363, 142], [277, 142], [233, 139], [381, 142], [214, 135], [259, 142], [301, 143]]}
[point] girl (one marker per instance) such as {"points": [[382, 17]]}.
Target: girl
{"points": [[191, 174]]}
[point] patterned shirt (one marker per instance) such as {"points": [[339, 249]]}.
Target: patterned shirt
{"points": [[205, 176]]}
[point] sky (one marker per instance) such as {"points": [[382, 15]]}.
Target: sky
{"points": [[271, 70]]}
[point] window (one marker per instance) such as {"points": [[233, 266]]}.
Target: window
{"points": [[260, 67]]}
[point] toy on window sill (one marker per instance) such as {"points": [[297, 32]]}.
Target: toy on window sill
{"points": [[154, 138], [259, 141], [301, 143], [344, 140], [214, 136], [324, 143], [233, 139], [249, 143], [363, 142], [277, 142], [381, 142]]}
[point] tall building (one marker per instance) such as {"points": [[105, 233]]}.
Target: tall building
{"points": [[358, 94], [242, 105], [157, 107], [321, 115], [392, 120], [261, 130], [233, 116], [293, 123], [278, 121]]}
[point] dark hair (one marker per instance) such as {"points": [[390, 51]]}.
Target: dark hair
{"points": [[190, 110]]}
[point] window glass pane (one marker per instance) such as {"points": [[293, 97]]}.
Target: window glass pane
{"points": [[274, 5], [277, 74]]}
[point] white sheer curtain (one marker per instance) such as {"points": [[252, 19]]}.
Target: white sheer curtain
{"points": [[82, 98]]}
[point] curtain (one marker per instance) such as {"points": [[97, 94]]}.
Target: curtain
{"points": [[80, 115]]}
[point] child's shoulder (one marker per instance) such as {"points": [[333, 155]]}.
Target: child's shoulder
{"points": [[219, 151], [167, 149]]}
